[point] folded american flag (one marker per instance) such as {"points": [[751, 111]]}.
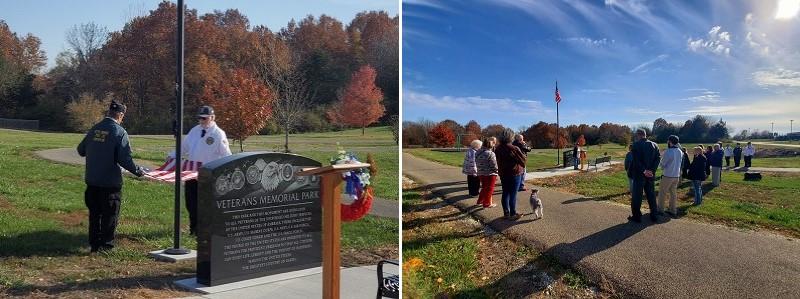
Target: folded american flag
{"points": [[166, 173]]}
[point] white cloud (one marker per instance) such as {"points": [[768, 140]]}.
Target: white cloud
{"points": [[717, 42], [705, 95], [756, 46], [777, 78], [473, 103], [644, 111], [643, 67]]}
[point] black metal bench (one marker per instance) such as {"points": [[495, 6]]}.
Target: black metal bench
{"points": [[604, 159], [388, 285]]}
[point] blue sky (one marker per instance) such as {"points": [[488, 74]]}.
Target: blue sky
{"points": [[628, 62], [50, 20]]}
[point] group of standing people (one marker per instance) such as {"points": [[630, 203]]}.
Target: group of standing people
{"points": [[503, 156], [748, 152], [644, 158], [578, 156]]}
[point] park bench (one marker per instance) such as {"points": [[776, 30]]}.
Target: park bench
{"points": [[388, 285], [604, 159]]}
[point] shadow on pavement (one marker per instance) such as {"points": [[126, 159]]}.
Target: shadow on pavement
{"points": [[601, 198], [572, 253]]}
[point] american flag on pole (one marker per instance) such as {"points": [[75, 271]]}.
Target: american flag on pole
{"points": [[558, 96], [166, 173]]}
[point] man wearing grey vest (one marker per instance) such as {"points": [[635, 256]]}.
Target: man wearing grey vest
{"points": [[106, 148]]}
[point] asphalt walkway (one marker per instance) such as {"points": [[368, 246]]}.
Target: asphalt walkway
{"points": [[677, 258], [541, 174], [380, 207]]}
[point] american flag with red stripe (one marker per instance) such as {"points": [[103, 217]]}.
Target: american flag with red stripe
{"points": [[166, 173], [558, 96]]}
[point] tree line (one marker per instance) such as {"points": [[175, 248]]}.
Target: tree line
{"points": [[300, 75], [449, 133]]}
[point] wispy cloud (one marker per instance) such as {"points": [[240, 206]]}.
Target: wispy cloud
{"points": [[645, 111], [717, 42], [643, 67], [705, 95], [777, 78], [474, 104]]}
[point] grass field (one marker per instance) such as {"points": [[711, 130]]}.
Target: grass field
{"points": [[546, 158], [770, 203], [43, 220]]}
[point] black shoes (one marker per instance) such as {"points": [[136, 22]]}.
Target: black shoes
{"points": [[637, 220]]}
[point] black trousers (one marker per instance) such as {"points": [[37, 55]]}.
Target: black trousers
{"points": [[649, 187], [474, 185], [103, 204], [728, 161], [190, 187], [736, 160], [748, 161]]}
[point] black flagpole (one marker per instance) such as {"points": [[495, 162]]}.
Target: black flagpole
{"points": [[176, 249], [558, 128]]}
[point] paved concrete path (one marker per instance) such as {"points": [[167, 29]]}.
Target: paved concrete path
{"points": [[777, 144], [380, 207], [674, 259], [541, 174], [762, 169], [356, 282]]}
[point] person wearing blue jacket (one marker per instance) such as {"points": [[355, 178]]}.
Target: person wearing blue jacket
{"points": [[106, 148], [715, 160]]}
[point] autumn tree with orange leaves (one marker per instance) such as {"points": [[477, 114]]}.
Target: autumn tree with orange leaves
{"points": [[441, 136], [242, 103], [360, 102]]}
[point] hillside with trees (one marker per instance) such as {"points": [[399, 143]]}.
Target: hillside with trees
{"points": [[446, 133], [304, 67]]}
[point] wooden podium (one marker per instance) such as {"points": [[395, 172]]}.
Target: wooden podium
{"points": [[331, 189]]}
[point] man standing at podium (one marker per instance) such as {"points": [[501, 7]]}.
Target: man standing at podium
{"points": [[205, 142]]}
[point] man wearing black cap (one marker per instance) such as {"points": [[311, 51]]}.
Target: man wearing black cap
{"points": [[205, 142], [106, 148]]}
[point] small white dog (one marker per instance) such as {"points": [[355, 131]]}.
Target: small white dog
{"points": [[536, 204]]}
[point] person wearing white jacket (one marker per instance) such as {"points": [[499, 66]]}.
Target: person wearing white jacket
{"points": [[671, 169], [728, 155], [749, 152], [204, 143]]}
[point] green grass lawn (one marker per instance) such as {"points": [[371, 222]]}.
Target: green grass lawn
{"points": [[43, 220], [771, 202]]}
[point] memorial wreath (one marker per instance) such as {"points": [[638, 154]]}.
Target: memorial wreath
{"points": [[357, 185]]}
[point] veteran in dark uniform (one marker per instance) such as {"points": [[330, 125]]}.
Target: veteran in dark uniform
{"points": [[106, 148]]}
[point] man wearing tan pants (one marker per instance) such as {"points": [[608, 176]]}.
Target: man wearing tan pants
{"points": [[671, 168]]}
